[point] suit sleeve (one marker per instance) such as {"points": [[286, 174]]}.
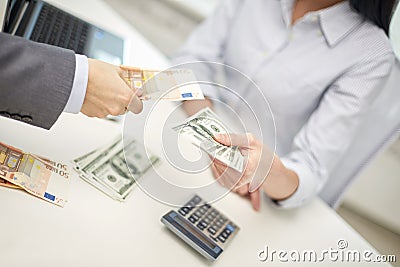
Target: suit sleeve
{"points": [[35, 80]]}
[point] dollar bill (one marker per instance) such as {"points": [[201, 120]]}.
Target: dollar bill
{"points": [[200, 130], [38, 176], [114, 168], [172, 85]]}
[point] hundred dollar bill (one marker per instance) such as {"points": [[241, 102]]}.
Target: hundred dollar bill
{"points": [[39, 176], [172, 85], [201, 128], [114, 168]]}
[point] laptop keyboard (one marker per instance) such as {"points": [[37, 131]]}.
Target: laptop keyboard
{"points": [[59, 28]]}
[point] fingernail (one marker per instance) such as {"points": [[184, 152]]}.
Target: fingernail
{"points": [[219, 137]]}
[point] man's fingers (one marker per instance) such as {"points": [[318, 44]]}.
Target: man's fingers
{"points": [[135, 105]]}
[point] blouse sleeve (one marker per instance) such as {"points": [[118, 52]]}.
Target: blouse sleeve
{"points": [[322, 141], [207, 43]]}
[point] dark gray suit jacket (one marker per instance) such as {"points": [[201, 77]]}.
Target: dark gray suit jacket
{"points": [[35, 80]]}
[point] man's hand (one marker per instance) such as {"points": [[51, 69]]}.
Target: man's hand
{"points": [[107, 92], [193, 106]]}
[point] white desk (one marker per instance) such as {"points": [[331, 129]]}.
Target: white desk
{"points": [[93, 230]]}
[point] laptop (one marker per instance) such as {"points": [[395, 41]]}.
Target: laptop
{"points": [[42, 22]]}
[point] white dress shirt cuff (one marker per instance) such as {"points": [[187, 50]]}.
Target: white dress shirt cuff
{"points": [[78, 91], [307, 186]]}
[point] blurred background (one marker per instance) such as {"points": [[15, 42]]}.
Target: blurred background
{"points": [[371, 204]]}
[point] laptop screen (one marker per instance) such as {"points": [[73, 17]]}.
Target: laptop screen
{"points": [[13, 10]]}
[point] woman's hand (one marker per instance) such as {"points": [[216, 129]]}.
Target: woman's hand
{"points": [[257, 162], [262, 169]]}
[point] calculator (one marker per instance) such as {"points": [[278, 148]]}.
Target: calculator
{"points": [[202, 226]]}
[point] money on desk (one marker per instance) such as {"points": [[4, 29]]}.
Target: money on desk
{"points": [[113, 168], [5, 183], [200, 130], [172, 84], [38, 176]]}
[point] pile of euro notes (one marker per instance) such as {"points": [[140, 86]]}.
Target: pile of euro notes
{"points": [[114, 168], [38, 176], [171, 84]]}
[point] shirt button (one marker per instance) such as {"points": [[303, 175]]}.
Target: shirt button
{"points": [[265, 53], [319, 33], [16, 117], [5, 114], [314, 18], [27, 119]]}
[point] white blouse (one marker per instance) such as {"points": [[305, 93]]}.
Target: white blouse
{"points": [[319, 76]]}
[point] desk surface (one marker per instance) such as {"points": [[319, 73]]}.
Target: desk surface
{"points": [[93, 230]]}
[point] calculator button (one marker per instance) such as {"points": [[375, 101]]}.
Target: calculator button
{"points": [[200, 226], [222, 219], [214, 213], [183, 212], [196, 199], [218, 224], [230, 228], [190, 204], [202, 212], [224, 235], [210, 218], [193, 219], [207, 221], [207, 206], [222, 239], [198, 214], [212, 230], [205, 224]]}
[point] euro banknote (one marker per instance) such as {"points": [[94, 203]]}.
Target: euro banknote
{"points": [[172, 84], [200, 130], [41, 177], [5, 183]]}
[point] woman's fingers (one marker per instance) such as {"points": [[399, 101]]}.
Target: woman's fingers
{"points": [[242, 190], [239, 140], [255, 200]]}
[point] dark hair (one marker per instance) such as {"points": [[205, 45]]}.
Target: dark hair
{"points": [[378, 11]]}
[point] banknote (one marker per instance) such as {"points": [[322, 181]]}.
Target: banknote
{"points": [[5, 183], [39, 176], [172, 85], [114, 168], [201, 128]]}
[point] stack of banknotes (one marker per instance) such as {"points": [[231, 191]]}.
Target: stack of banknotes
{"points": [[38, 176], [115, 167], [200, 130], [171, 84]]}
